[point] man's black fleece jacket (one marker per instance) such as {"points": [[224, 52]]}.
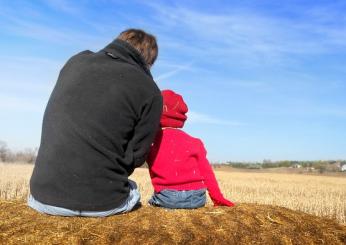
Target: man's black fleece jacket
{"points": [[98, 126]]}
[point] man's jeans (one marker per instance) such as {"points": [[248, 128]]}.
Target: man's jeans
{"points": [[132, 201], [179, 199]]}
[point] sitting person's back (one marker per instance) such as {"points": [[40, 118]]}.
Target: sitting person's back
{"points": [[179, 169], [98, 126], [176, 163]]}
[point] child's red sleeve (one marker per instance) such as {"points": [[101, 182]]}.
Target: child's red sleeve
{"points": [[210, 180]]}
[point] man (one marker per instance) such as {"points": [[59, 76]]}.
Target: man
{"points": [[98, 126]]}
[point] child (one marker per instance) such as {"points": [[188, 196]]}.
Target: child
{"points": [[179, 169]]}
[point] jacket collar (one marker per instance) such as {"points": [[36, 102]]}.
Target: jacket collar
{"points": [[122, 50]]}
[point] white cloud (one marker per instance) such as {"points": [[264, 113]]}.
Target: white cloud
{"points": [[251, 36], [65, 6], [28, 75], [32, 24], [62, 36], [20, 104], [176, 70], [200, 118]]}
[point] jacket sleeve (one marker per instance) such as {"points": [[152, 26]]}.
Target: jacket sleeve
{"points": [[146, 129], [210, 180]]}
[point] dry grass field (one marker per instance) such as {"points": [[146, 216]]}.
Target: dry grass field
{"points": [[14, 180], [323, 196], [246, 223], [243, 224]]}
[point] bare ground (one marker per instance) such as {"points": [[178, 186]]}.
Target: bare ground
{"points": [[243, 224]]}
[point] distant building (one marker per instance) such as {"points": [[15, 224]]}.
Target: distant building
{"points": [[337, 164], [343, 168], [334, 167], [297, 165]]}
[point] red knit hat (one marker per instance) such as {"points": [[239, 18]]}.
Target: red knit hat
{"points": [[174, 110]]}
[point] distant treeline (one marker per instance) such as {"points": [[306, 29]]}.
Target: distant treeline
{"points": [[322, 165], [29, 156], [9, 156]]}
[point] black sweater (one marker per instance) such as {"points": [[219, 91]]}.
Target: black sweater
{"points": [[98, 126]]}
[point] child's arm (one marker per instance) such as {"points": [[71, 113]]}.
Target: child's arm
{"points": [[210, 180]]}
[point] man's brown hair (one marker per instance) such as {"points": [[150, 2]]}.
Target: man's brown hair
{"points": [[143, 42]]}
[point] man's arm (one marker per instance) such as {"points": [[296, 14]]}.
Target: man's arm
{"points": [[146, 129]]}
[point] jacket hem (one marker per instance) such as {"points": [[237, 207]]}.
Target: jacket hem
{"points": [[79, 206]]}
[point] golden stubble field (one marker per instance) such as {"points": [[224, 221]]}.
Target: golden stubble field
{"points": [[323, 196]]}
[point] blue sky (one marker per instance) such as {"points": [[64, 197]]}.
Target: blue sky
{"points": [[262, 79]]}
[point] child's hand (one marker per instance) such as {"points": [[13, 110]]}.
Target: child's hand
{"points": [[221, 201]]}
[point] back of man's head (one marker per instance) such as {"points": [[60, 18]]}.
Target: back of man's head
{"points": [[145, 43]]}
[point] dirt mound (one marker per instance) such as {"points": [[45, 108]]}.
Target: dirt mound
{"points": [[244, 224]]}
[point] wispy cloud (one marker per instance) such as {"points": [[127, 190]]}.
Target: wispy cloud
{"points": [[200, 118], [253, 85], [64, 6], [80, 12], [14, 103], [176, 70], [62, 36], [31, 24], [252, 36], [303, 108], [25, 74]]}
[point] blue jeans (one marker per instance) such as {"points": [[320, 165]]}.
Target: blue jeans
{"points": [[132, 201], [179, 199]]}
